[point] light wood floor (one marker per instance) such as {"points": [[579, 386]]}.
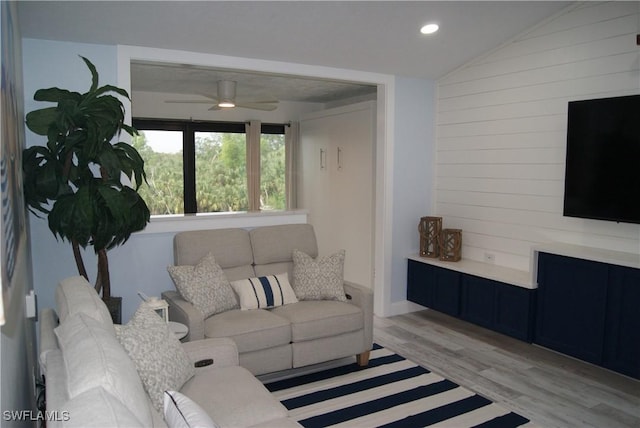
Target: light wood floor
{"points": [[550, 389]]}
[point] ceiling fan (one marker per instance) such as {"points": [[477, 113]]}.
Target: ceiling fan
{"points": [[226, 98]]}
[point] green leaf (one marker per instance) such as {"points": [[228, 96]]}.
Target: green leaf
{"points": [[94, 73], [132, 163], [130, 130], [72, 217], [111, 88], [55, 95], [39, 121], [42, 173]]}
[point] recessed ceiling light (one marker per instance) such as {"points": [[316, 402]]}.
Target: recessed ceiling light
{"points": [[429, 29]]}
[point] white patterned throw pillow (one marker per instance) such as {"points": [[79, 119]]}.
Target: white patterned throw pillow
{"points": [[264, 292], [319, 279], [205, 285], [182, 412], [160, 360]]}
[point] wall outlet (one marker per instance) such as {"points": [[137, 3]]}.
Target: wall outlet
{"points": [[31, 304], [489, 258]]}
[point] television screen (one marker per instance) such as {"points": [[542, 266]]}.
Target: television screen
{"points": [[602, 178]]}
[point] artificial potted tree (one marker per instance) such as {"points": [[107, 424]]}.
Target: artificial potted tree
{"points": [[85, 185]]}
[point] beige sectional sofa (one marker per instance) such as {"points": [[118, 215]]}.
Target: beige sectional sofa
{"points": [[289, 336], [91, 380]]}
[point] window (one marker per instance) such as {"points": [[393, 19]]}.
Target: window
{"points": [[200, 167]]}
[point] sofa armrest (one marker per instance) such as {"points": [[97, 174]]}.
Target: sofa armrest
{"points": [[222, 351], [48, 320], [56, 376], [184, 312], [363, 298]]}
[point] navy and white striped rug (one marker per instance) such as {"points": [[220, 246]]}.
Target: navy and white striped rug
{"points": [[391, 392]]}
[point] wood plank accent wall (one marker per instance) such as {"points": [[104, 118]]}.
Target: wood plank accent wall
{"points": [[501, 133]]}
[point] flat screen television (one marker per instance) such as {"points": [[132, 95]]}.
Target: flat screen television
{"points": [[602, 178]]}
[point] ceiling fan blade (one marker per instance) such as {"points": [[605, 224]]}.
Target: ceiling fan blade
{"points": [[258, 106], [227, 93], [257, 101], [189, 101]]}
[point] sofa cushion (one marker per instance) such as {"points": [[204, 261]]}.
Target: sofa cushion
{"points": [[230, 247], [74, 295], [156, 352], [264, 292], [205, 285], [93, 357], [233, 397], [275, 244], [319, 279], [96, 408], [182, 412], [250, 330], [315, 319]]}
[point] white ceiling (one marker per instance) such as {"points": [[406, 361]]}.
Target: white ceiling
{"points": [[375, 36]]}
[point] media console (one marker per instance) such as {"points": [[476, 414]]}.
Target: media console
{"points": [[494, 297], [580, 301]]}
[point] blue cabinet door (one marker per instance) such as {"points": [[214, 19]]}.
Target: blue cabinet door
{"points": [[622, 329], [571, 307], [446, 291], [433, 287], [514, 311], [478, 301], [420, 283], [501, 307]]}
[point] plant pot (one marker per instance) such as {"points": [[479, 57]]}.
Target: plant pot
{"points": [[114, 305]]}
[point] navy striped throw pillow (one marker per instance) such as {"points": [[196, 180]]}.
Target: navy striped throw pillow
{"points": [[264, 291]]}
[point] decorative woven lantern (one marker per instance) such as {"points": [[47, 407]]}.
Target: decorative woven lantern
{"points": [[451, 245], [430, 228]]}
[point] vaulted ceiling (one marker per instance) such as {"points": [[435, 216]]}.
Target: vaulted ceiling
{"points": [[375, 36]]}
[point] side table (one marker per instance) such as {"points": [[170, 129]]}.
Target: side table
{"points": [[179, 329]]}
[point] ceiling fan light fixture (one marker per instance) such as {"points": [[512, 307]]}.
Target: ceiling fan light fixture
{"points": [[226, 104], [226, 93]]}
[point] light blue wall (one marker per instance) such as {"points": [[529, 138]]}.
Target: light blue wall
{"points": [[412, 173]]}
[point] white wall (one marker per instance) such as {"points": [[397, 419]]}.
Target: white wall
{"points": [[501, 133], [337, 188]]}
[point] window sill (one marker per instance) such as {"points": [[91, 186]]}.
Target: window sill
{"points": [[181, 223]]}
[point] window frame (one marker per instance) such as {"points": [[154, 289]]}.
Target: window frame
{"points": [[188, 129]]}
